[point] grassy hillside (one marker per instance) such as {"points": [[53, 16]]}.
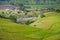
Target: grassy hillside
{"points": [[50, 19], [47, 28], [13, 31], [51, 23]]}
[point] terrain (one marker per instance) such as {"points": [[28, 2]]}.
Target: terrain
{"points": [[47, 28], [30, 20]]}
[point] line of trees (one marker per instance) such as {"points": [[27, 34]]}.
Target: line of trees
{"points": [[30, 2]]}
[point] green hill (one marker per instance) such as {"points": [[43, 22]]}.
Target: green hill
{"points": [[13, 31], [47, 28], [49, 20], [50, 23]]}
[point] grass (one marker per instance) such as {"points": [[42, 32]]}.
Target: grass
{"points": [[51, 25], [45, 6], [13, 31], [45, 29], [49, 19]]}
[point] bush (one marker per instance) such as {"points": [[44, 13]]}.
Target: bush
{"points": [[13, 18], [58, 10], [29, 22], [2, 12], [42, 16]]}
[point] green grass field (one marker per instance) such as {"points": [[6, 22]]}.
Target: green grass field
{"points": [[44, 6], [47, 28]]}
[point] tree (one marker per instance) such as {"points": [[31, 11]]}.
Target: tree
{"points": [[37, 2], [42, 16], [2, 0]]}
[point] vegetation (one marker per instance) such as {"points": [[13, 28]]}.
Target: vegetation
{"points": [[14, 31], [58, 10], [44, 25], [49, 19], [29, 2], [46, 28]]}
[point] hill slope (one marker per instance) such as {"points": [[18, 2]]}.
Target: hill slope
{"points": [[49, 29], [50, 19], [51, 24], [13, 31]]}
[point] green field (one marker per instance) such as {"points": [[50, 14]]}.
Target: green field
{"points": [[45, 24], [47, 28], [45, 6]]}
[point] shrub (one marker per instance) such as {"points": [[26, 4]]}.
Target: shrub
{"points": [[42, 16], [26, 13], [13, 18], [18, 12], [29, 22], [58, 10], [2, 12]]}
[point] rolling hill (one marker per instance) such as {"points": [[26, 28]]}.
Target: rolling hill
{"points": [[50, 19], [47, 28]]}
